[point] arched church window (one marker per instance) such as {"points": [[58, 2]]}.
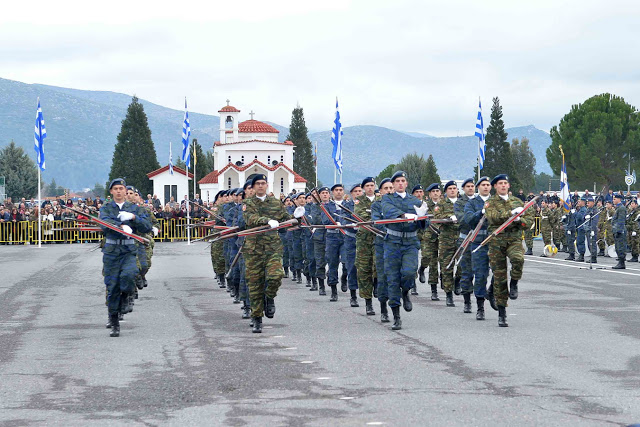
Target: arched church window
{"points": [[229, 182], [282, 185]]}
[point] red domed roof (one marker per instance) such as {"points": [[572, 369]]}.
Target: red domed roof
{"points": [[255, 126], [228, 109]]}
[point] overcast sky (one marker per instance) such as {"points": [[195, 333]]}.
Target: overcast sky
{"points": [[407, 65]]}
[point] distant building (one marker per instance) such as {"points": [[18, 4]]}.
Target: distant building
{"points": [[166, 185]]}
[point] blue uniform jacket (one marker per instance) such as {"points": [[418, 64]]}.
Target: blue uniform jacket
{"points": [[579, 218], [473, 214], [109, 212], [394, 206]]}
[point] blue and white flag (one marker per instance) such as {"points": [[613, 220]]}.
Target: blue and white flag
{"points": [[480, 134], [170, 160], [39, 136], [336, 140], [186, 133], [565, 194]]}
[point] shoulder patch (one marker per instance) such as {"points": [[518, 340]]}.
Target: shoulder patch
{"points": [[356, 202]]}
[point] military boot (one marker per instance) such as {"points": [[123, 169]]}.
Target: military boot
{"points": [[529, 251], [321, 292], [369, 307], [257, 325], [354, 299], [480, 312], [490, 297], [308, 285], [434, 292], [293, 275], [246, 311], [571, 257], [299, 277], [232, 290], [108, 325], [601, 252], [456, 286], [406, 301], [384, 314], [502, 317], [314, 284], [286, 272], [513, 289], [375, 287], [115, 325], [421, 275], [594, 259], [414, 290], [620, 265], [634, 258], [269, 307], [467, 303], [580, 258], [343, 280], [450, 302], [221, 281], [334, 293], [144, 282], [236, 296], [397, 323], [138, 282], [124, 302]]}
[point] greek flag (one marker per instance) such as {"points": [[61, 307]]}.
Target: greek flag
{"points": [[39, 136], [336, 140], [480, 134], [170, 160], [186, 133], [565, 195]]}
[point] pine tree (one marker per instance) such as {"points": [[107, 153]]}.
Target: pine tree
{"points": [[498, 158], [303, 160], [19, 171], [524, 162], [415, 166], [135, 155], [386, 173], [430, 174]]}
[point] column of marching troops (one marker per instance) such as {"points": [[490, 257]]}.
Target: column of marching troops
{"points": [[370, 261]]}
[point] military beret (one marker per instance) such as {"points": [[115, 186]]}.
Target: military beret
{"points": [[466, 181], [130, 187], [376, 191], [449, 184], [308, 195], [583, 198], [367, 180], [482, 179], [259, 177], [416, 188], [399, 174], [590, 199], [220, 193], [618, 196], [502, 176], [117, 181], [354, 187], [295, 196], [434, 186], [246, 185], [321, 189], [384, 181], [139, 192], [336, 186]]}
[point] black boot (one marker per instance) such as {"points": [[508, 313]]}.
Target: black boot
{"points": [[571, 257], [434, 293], [286, 272], [450, 302], [490, 297], [513, 289], [620, 265], [257, 325], [144, 282], [414, 290], [293, 275], [138, 282], [594, 259], [601, 252], [115, 325], [406, 301], [529, 251], [480, 312], [236, 294], [221, 281], [108, 325], [232, 290], [456, 286], [246, 311], [343, 280], [580, 258], [369, 307], [467, 303], [314, 284], [334, 293], [354, 299], [397, 323], [384, 314], [124, 302], [308, 285], [634, 258], [269, 307], [375, 288], [421, 275], [299, 277], [502, 316], [321, 292]]}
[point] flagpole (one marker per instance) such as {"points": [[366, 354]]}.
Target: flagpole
{"points": [[39, 212], [316, 164], [195, 162]]}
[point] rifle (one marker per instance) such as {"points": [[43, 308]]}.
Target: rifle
{"points": [[257, 230], [234, 262], [217, 233], [465, 243], [370, 229], [359, 224], [325, 211], [213, 214], [111, 226]]}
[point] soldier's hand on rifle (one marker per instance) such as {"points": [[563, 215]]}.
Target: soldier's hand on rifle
{"points": [[411, 216], [155, 231], [422, 209], [273, 223], [299, 212], [573, 211], [587, 217], [125, 216], [128, 229], [517, 210], [453, 218], [633, 233]]}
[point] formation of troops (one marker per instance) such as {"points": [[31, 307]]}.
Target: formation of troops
{"points": [[377, 243]]}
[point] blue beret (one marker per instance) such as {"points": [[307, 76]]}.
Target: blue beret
{"points": [[130, 187], [482, 178], [367, 180], [246, 185], [354, 187], [434, 186], [399, 174], [384, 181], [416, 188], [618, 195], [502, 176], [583, 198], [449, 184], [295, 196], [117, 181], [321, 189], [589, 199], [466, 181], [259, 177], [336, 186], [376, 191]]}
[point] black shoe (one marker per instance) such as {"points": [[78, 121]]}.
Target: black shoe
{"points": [[571, 257], [308, 285], [434, 293], [369, 307], [450, 302], [138, 282], [269, 307], [529, 252], [120, 316], [354, 299], [414, 290], [634, 258], [257, 325], [456, 286], [620, 265], [490, 297], [115, 326], [108, 325], [384, 314], [502, 317], [286, 272], [543, 256], [145, 283], [135, 296], [467, 303], [513, 289], [334, 293], [397, 323], [421, 275], [601, 253], [246, 312], [580, 258], [480, 312], [594, 259], [321, 292], [406, 301], [232, 290], [251, 322], [126, 307], [314, 284], [221, 281], [344, 287], [299, 277]]}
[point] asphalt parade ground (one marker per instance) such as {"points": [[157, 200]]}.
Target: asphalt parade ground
{"points": [[571, 354]]}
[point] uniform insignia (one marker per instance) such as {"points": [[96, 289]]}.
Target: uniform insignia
{"points": [[356, 201], [244, 208]]}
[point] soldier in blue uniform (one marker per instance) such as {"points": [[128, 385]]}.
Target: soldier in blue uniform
{"points": [[376, 214], [581, 213], [319, 239], [466, 272], [119, 251], [418, 192], [335, 239], [569, 221], [350, 247], [296, 239], [619, 228], [307, 235], [401, 244]]}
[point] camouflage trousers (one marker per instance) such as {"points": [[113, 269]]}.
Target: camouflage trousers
{"points": [[605, 238], [446, 249], [634, 243], [365, 262], [429, 260], [528, 238], [120, 270], [217, 257], [506, 245], [546, 234], [262, 266]]}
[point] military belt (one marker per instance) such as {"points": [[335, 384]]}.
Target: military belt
{"points": [[401, 234], [350, 234], [120, 242], [332, 231]]}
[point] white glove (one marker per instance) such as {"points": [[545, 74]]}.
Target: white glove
{"points": [[125, 216], [338, 223], [593, 233], [482, 211], [273, 223], [411, 216], [564, 217], [128, 229], [155, 231], [517, 210], [568, 232], [422, 209], [573, 211], [633, 233], [453, 218], [299, 212], [587, 217]]}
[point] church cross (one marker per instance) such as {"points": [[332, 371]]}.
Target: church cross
{"points": [[251, 114], [228, 101]]}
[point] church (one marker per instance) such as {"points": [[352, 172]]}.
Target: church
{"points": [[247, 148]]}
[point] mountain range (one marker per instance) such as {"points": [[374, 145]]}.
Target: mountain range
{"points": [[82, 127]]}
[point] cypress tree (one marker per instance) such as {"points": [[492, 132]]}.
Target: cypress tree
{"points": [[135, 155], [303, 160], [19, 171], [498, 158], [431, 173]]}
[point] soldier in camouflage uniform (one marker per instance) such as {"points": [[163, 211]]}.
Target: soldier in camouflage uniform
{"points": [[119, 252], [447, 241], [545, 223], [263, 252], [528, 233], [365, 245], [464, 266], [619, 230], [607, 225], [508, 244], [429, 246], [633, 229], [601, 218], [217, 255], [240, 222]]}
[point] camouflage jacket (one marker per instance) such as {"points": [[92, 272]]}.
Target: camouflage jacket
{"points": [[258, 213], [458, 211], [443, 210], [428, 234], [363, 211], [498, 211], [632, 220], [547, 218]]}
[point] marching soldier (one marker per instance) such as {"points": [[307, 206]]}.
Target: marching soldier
{"points": [[376, 214], [466, 282], [350, 247], [217, 251], [633, 229], [430, 245], [307, 235], [528, 233], [618, 228], [447, 240], [365, 245], [418, 193], [546, 219], [569, 221], [319, 239]]}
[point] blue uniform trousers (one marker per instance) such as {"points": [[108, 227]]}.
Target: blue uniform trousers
{"points": [[400, 263], [120, 270], [309, 258], [480, 268], [383, 293], [571, 240], [350, 261], [334, 250], [296, 249], [285, 250], [319, 252], [234, 277], [466, 277], [581, 236]]}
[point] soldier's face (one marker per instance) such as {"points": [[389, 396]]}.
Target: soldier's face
{"points": [[118, 192], [590, 204], [484, 188], [400, 184], [469, 188], [435, 194], [300, 201], [249, 192], [369, 188], [324, 196], [419, 194], [309, 200], [357, 192], [131, 196], [338, 193], [544, 205], [260, 187], [452, 191], [502, 187], [386, 188]]}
